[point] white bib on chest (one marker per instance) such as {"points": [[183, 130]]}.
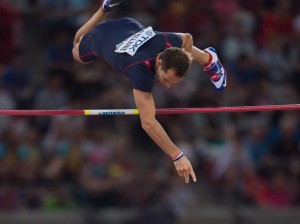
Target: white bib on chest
{"points": [[133, 43]]}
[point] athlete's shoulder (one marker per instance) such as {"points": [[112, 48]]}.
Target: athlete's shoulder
{"points": [[141, 75], [172, 39]]}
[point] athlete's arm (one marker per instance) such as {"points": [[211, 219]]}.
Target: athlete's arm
{"points": [[197, 54], [145, 104], [90, 24]]}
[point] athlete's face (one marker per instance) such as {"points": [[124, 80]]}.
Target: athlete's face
{"points": [[168, 78]]}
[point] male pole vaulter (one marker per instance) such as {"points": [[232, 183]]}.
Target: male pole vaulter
{"points": [[141, 54]]}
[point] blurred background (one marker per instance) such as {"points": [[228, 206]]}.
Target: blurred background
{"points": [[72, 169]]}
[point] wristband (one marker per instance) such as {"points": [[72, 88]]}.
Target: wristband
{"points": [[180, 155]]}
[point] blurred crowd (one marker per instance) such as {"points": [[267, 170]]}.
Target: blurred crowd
{"points": [[73, 161]]}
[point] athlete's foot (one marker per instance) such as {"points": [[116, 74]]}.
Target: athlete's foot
{"points": [[110, 5], [216, 70]]}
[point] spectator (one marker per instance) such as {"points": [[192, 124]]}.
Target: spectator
{"points": [[8, 21], [256, 141], [17, 79], [52, 96], [287, 140], [7, 102]]}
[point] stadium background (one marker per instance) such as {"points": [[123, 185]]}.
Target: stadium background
{"points": [[106, 169]]}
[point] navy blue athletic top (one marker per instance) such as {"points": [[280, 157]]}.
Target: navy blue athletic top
{"points": [[140, 68]]}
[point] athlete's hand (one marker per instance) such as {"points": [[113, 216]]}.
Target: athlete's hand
{"points": [[184, 169]]}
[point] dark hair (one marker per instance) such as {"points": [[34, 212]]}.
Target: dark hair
{"points": [[175, 58]]}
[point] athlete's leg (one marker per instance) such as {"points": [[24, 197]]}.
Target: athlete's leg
{"points": [[208, 58], [200, 56], [110, 5], [216, 70], [98, 17]]}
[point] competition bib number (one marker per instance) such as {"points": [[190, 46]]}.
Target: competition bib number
{"points": [[133, 43]]}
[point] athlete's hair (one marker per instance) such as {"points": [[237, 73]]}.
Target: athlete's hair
{"points": [[175, 58]]}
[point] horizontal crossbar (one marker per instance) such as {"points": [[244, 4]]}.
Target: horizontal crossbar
{"points": [[114, 112]]}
